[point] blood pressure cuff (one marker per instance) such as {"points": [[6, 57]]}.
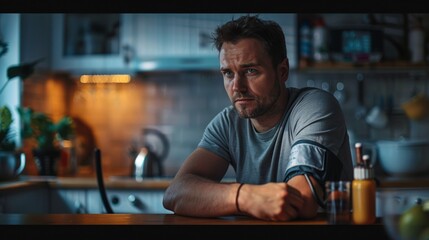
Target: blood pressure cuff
{"points": [[311, 158]]}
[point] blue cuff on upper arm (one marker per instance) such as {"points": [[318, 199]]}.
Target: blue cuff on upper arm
{"points": [[315, 160]]}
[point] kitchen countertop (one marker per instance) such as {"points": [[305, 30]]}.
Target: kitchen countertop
{"points": [[85, 182], [161, 183], [397, 182], [162, 226]]}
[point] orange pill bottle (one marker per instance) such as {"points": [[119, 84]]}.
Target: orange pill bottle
{"points": [[363, 195]]}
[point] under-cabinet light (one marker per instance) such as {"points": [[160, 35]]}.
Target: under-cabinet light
{"points": [[114, 78], [148, 65]]}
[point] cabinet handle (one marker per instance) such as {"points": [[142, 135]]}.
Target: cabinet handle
{"points": [[136, 202]]}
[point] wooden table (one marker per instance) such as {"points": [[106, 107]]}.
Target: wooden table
{"points": [[170, 226]]}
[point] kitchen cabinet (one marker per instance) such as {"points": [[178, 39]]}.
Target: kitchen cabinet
{"points": [[68, 201], [174, 35], [128, 201], [125, 43], [24, 200], [91, 43], [80, 196], [183, 41], [88, 200]]}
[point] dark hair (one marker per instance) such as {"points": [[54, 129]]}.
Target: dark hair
{"points": [[268, 32]]}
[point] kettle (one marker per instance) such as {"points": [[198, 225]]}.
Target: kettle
{"points": [[148, 158]]}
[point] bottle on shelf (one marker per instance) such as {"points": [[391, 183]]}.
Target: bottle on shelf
{"points": [[305, 43], [416, 41], [320, 40]]}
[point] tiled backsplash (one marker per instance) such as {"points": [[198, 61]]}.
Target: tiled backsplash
{"points": [[181, 104], [178, 104], [387, 89]]}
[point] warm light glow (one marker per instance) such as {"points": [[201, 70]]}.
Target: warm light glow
{"points": [[67, 143], [114, 78]]}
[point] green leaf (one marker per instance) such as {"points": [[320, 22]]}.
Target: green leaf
{"points": [[39, 126], [6, 136], [65, 128], [5, 118]]}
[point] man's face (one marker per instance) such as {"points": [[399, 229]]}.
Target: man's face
{"points": [[250, 80]]}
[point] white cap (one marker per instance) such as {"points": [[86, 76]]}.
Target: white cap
{"points": [[361, 173]]}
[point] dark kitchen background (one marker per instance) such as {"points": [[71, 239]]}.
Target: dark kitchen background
{"points": [[175, 84]]}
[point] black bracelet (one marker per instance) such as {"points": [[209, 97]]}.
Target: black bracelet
{"points": [[236, 197]]}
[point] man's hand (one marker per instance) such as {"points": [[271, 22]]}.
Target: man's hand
{"points": [[271, 201]]}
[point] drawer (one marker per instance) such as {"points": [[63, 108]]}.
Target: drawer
{"points": [[128, 201]]}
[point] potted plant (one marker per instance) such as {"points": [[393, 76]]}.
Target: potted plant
{"points": [[47, 136], [12, 161]]}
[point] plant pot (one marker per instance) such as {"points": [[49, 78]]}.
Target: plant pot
{"points": [[47, 161], [12, 164]]}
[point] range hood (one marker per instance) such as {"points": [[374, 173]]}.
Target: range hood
{"points": [[141, 65]]}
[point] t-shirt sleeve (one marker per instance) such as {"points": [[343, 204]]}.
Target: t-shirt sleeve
{"points": [[319, 131], [215, 136]]}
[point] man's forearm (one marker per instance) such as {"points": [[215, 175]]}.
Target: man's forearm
{"points": [[194, 196]]}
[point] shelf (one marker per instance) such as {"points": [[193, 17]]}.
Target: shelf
{"points": [[390, 66]]}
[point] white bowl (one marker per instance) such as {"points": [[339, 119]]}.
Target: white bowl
{"points": [[404, 157]]}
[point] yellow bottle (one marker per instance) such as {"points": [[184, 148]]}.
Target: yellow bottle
{"points": [[363, 195]]}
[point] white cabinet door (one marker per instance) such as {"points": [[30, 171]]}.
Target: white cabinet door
{"points": [[83, 46], [128, 201], [24, 201], [68, 201], [175, 41], [174, 35]]}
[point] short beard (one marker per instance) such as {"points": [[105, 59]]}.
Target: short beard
{"points": [[262, 109]]}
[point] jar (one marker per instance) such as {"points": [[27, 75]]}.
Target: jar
{"points": [[363, 195], [416, 38]]}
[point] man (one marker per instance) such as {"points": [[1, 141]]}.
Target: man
{"points": [[283, 143]]}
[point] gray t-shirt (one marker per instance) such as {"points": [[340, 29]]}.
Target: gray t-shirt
{"points": [[310, 138]]}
